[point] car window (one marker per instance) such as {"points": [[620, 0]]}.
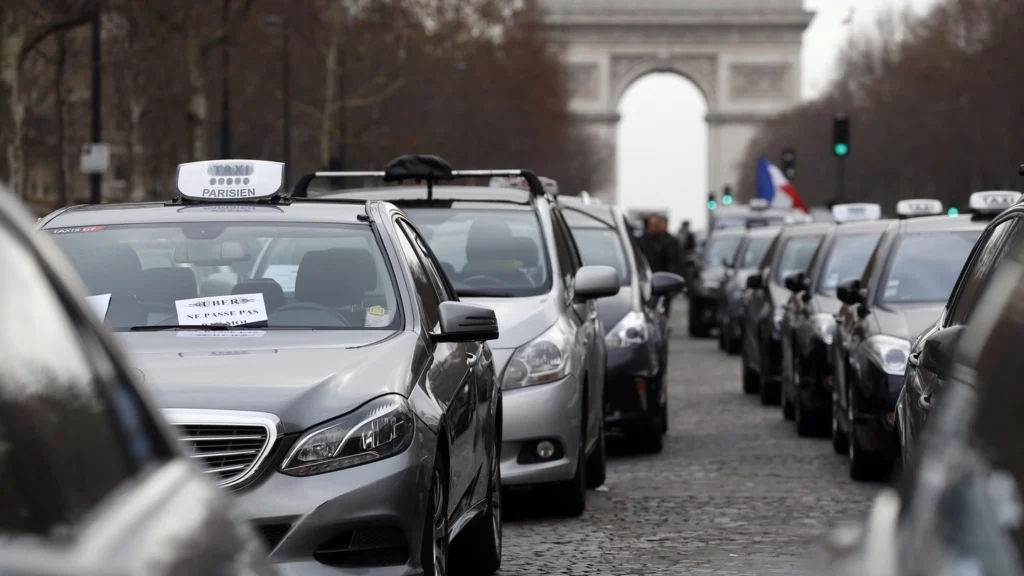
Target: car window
{"points": [[980, 269], [794, 256], [602, 247], [326, 276], [437, 274], [847, 259], [564, 238], [721, 249], [61, 450], [426, 291], [754, 252], [924, 267], [487, 252]]}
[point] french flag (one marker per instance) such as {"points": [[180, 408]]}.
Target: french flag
{"points": [[773, 186]]}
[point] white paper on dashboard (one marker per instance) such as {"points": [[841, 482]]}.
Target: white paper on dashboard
{"points": [[283, 274], [233, 310], [99, 304]]}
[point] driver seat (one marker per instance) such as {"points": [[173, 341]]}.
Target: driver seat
{"points": [[338, 278]]}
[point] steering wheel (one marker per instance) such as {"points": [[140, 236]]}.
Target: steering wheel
{"points": [[483, 281], [312, 307]]}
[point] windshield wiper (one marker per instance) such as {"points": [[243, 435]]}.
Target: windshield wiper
{"points": [[210, 327], [472, 293]]}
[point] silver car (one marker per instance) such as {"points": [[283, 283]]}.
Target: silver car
{"points": [[314, 359], [91, 480], [511, 250]]}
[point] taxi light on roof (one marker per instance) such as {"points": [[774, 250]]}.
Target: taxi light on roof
{"points": [[918, 207], [993, 201], [856, 212], [758, 204], [230, 180]]}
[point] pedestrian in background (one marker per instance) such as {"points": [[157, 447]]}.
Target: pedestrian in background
{"points": [[687, 253], [661, 249]]}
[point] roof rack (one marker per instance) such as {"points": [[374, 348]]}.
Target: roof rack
{"points": [[420, 168]]}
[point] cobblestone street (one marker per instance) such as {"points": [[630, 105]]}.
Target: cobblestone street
{"points": [[734, 492]]}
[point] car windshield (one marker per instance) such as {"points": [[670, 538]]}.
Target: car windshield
{"points": [[602, 247], [924, 267], [847, 260], [242, 275], [721, 250], [753, 253], [487, 252], [795, 256]]}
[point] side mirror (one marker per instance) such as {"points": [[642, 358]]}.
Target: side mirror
{"points": [[850, 292], [794, 282], [462, 322], [594, 282], [755, 282], [937, 356], [666, 283], [726, 262]]}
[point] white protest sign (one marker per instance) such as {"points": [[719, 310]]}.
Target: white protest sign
{"points": [[283, 274], [99, 304], [231, 310]]}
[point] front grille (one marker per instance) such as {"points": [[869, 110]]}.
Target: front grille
{"points": [[364, 548], [229, 445]]}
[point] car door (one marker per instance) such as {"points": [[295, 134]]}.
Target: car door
{"points": [[590, 332], [989, 252], [451, 379], [88, 475]]}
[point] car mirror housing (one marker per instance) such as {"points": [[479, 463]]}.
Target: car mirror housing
{"points": [[850, 292], [462, 322], [666, 283], [937, 356], [594, 282], [755, 282], [794, 282]]}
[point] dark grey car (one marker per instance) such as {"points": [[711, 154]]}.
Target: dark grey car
{"points": [[315, 360], [91, 480], [749, 259]]}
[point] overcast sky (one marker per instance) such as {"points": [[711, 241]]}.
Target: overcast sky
{"points": [[662, 142]]}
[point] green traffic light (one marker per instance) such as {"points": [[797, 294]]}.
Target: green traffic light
{"points": [[726, 200], [841, 149], [953, 211], [712, 204]]}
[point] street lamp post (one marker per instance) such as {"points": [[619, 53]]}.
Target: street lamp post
{"points": [[281, 23], [95, 179], [225, 101]]}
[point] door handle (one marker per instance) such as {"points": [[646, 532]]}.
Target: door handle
{"points": [[925, 402], [471, 359]]}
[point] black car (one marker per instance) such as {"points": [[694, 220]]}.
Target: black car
{"points": [[958, 510], [922, 383], [808, 325], [705, 289], [634, 320], [904, 286], [748, 260], [91, 479], [764, 308]]}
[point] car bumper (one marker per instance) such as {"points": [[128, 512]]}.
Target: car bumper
{"points": [[367, 519], [633, 387], [535, 413]]}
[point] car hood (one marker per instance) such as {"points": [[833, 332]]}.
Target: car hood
{"points": [[613, 308], [713, 273], [520, 319], [907, 320], [826, 304], [303, 376]]}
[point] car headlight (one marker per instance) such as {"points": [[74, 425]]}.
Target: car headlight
{"points": [[824, 325], [378, 429], [890, 352], [544, 359], [631, 330]]}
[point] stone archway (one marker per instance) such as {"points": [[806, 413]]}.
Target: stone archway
{"points": [[743, 56]]}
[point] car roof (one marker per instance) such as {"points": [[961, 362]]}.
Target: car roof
{"points": [[744, 210], [737, 231], [808, 228], [938, 224], [440, 194], [158, 212], [851, 228], [763, 231]]}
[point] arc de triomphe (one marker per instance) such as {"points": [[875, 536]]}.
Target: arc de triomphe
{"points": [[743, 55]]}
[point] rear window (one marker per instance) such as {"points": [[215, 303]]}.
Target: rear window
{"points": [[924, 267], [722, 249], [795, 256], [849, 256]]}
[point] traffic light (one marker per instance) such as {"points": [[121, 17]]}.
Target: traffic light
{"points": [[727, 196], [789, 163], [712, 202], [953, 211], [841, 136]]}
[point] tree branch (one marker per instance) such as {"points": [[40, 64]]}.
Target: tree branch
{"points": [[228, 32], [43, 31]]}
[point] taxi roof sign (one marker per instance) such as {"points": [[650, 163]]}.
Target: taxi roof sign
{"points": [[757, 204], [918, 207], [857, 212], [230, 180], [993, 201]]}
